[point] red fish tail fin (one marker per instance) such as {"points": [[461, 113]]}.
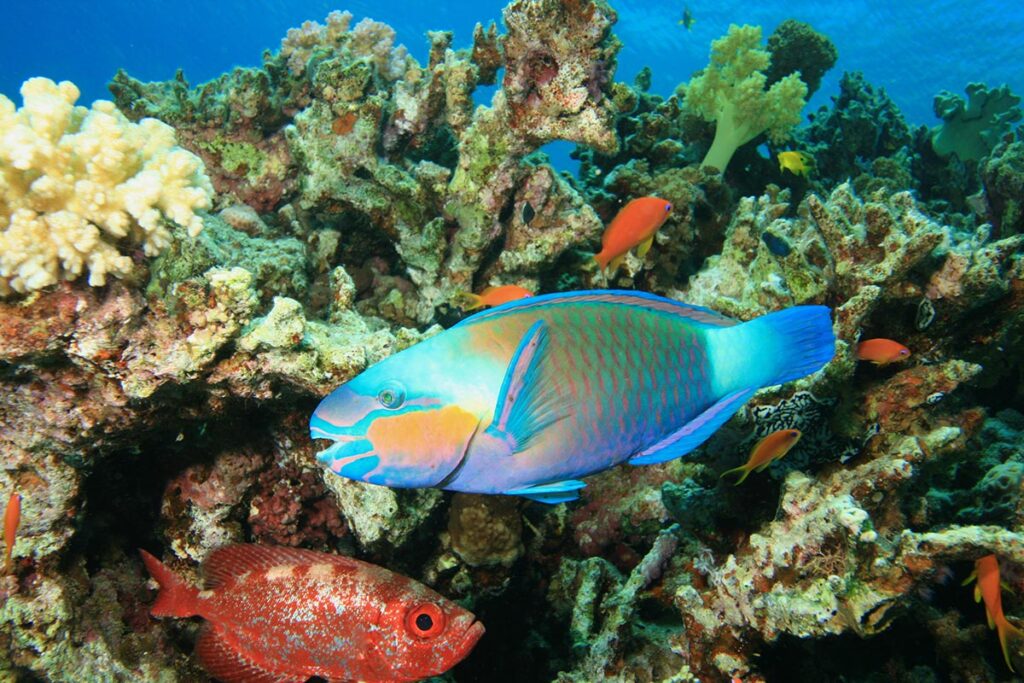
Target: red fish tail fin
{"points": [[468, 301], [742, 471], [176, 598], [601, 260], [1011, 639]]}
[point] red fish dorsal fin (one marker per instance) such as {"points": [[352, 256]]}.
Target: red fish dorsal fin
{"points": [[233, 560], [621, 297]]}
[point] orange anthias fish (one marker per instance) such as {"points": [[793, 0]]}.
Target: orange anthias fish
{"points": [[12, 517], [492, 296], [635, 224], [986, 571], [768, 450], [282, 615], [882, 351]]}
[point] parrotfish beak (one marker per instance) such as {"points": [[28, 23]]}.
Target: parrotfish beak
{"points": [[419, 444]]}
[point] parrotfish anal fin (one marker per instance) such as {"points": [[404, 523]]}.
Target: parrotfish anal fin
{"points": [[228, 666], [555, 492], [693, 433], [645, 247], [526, 404], [230, 561]]}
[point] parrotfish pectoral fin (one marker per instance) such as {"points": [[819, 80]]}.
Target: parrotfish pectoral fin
{"points": [[693, 433], [226, 665], [555, 492], [526, 404], [645, 247]]}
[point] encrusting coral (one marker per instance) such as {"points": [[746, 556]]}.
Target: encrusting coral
{"points": [[76, 182]]}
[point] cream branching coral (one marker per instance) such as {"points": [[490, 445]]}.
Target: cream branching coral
{"points": [[731, 92], [76, 183]]}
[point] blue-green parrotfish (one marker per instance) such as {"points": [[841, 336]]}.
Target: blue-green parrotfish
{"points": [[525, 398]]}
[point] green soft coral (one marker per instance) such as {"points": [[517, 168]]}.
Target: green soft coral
{"points": [[731, 92]]}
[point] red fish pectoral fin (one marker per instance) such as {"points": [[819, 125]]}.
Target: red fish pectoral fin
{"points": [[228, 666], [645, 247]]}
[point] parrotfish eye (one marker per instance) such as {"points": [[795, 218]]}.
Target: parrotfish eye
{"points": [[425, 621], [391, 395]]}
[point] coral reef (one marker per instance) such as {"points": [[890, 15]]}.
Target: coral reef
{"points": [[76, 181], [354, 192]]}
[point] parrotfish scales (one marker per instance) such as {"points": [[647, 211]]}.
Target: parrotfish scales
{"points": [[527, 397]]}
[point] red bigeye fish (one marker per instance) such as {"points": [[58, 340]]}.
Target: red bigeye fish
{"points": [[768, 450], [282, 615], [986, 571], [492, 296], [12, 517], [882, 351], [635, 224]]}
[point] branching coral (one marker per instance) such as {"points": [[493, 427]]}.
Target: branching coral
{"points": [[74, 182], [731, 92]]}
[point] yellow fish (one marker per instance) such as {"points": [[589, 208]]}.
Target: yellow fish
{"points": [[797, 163]]}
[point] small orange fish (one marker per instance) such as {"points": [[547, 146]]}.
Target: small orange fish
{"points": [[882, 351], [768, 450], [491, 296], [635, 224], [986, 571], [12, 517]]}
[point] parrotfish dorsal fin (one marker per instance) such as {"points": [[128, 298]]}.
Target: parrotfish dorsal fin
{"points": [[697, 314], [525, 404], [233, 560]]}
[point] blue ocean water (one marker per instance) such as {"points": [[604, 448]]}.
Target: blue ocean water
{"points": [[913, 49]]}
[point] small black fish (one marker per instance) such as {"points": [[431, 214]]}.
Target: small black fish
{"points": [[687, 21], [528, 213], [776, 244]]}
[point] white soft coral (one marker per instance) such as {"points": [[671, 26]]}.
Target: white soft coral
{"points": [[74, 182]]}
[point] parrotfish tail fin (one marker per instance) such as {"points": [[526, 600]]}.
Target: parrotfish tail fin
{"points": [[176, 598], [226, 665], [798, 339], [742, 470]]}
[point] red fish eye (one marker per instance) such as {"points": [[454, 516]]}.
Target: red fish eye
{"points": [[425, 621], [668, 207]]}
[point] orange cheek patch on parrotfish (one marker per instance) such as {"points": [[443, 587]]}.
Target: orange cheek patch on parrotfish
{"points": [[400, 440]]}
